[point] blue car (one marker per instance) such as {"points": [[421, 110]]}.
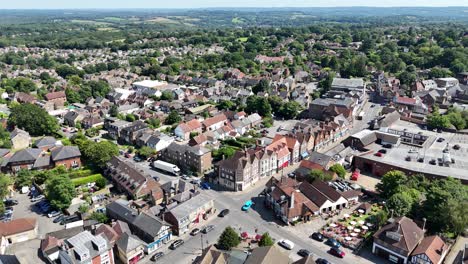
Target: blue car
{"points": [[247, 205], [205, 186], [332, 242]]}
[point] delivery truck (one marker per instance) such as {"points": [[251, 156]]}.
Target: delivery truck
{"points": [[166, 167]]}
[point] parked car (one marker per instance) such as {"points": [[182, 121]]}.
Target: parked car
{"points": [[337, 252], [37, 198], [53, 214], [195, 231], [317, 236], [332, 242], [207, 229], [205, 186], [286, 244], [247, 205], [176, 244], [378, 154], [8, 210], [408, 158], [441, 139], [304, 253], [322, 261], [433, 162], [456, 147], [59, 219], [157, 256], [421, 160], [389, 146], [137, 159], [223, 213], [383, 151]]}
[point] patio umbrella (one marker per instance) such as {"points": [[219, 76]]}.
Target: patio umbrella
{"points": [[361, 211], [353, 234], [346, 215], [333, 225], [361, 222], [365, 227], [369, 224], [244, 234], [350, 228], [258, 237], [348, 238], [352, 222], [357, 230]]}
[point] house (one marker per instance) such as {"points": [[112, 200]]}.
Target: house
{"points": [[115, 126], [267, 255], [128, 178], [46, 143], [431, 250], [324, 160], [196, 159], [68, 156], [130, 249], [16, 231], [91, 122], [214, 123], [212, 255], [323, 196], [24, 98], [146, 227], [73, 117], [178, 191], [183, 130], [191, 213], [160, 142], [130, 133], [397, 240], [344, 84], [50, 248], [57, 98], [86, 248], [20, 139], [238, 172], [27, 159]]}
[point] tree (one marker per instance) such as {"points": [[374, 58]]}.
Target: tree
{"points": [[173, 118], [167, 95], [437, 120], [98, 153], [153, 122], [401, 203], [290, 110], [262, 86], [228, 239], [83, 208], [33, 119], [266, 240], [318, 174], [101, 182], [458, 216], [5, 141], [390, 183], [100, 217], [380, 218], [226, 105], [339, 170], [145, 152], [114, 110], [60, 191], [23, 178], [224, 151], [5, 182]]}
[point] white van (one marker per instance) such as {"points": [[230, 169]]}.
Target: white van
{"points": [[286, 244]]}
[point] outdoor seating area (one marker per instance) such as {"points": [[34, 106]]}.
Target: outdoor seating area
{"points": [[352, 229]]}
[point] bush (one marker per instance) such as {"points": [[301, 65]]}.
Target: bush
{"points": [[88, 179], [101, 182], [228, 239], [266, 240], [79, 174]]}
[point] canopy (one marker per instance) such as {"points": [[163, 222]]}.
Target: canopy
{"points": [[244, 234], [258, 237]]}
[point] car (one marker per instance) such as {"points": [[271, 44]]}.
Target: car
{"points": [[421, 160], [291, 175], [456, 147], [157, 256], [195, 231], [247, 205], [383, 151], [433, 162], [137, 159], [389, 146], [337, 252], [59, 219], [185, 177], [378, 154], [9, 210], [176, 244], [10, 202], [322, 261], [223, 213], [317, 236], [286, 244], [440, 139], [156, 178], [37, 198], [207, 229], [372, 105], [205, 186], [304, 253], [195, 181], [127, 155], [408, 158], [53, 214], [332, 242]]}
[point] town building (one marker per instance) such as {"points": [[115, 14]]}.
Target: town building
{"points": [[16, 231], [86, 248], [195, 159]]}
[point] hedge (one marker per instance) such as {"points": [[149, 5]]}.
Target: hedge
{"points": [[80, 174], [85, 180]]}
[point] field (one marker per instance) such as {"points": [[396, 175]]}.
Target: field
{"points": [[91, 22], [162, 20]]}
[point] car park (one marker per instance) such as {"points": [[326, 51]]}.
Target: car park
{"points": [[304, 253], [207, 229], [157, 256], [247, 205], [223, 213], [195, 231], [317, 236], [332, 242], [337, 252], [286, 244], [176, 244]]}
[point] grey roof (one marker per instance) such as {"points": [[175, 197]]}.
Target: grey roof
{"points": [[365, 136], [266, 255], [3, 152], [321, 159], [186, 208], [348, 83], [198, 150], [9, 259], [18, 131], [128, 242], [120, 208], [88, 245], [29, 154], [45, 141], [148, 224], [65, 152], [42, 162]]}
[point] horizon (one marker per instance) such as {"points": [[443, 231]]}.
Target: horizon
{"points": [[212, 4]]}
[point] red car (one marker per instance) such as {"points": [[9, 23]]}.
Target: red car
{"points": [[378, 154], [337, 252], [355, 175]]}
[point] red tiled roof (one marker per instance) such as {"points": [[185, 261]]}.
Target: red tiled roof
{"points": [[405, 100], [311, 165], [433, 247], [214, 120], [17, 226], [55, 95]]}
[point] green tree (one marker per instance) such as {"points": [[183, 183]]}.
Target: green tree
{"points": [[5, 141], [390, 183], [101, 182], [437, 120], [401, 203], [167, 95], [145, 152], [153, 122], [226, 105], [318, 174], [173, 118], [262, 86], [114, 110], [33, 119], [83, 208], [228, 239], [339, 170], [23, 178], [60, 191], [266, 240], [290, 110], [98, 153], [100, 217]]}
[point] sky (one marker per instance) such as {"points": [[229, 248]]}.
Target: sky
{"points": [[65, 4]]}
